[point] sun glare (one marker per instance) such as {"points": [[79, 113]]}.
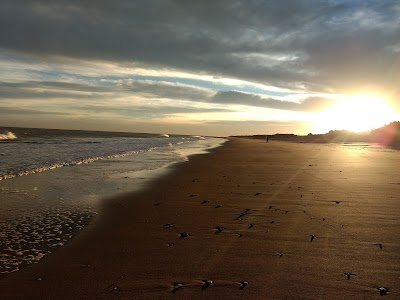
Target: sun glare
{"points": [[356, 113]]}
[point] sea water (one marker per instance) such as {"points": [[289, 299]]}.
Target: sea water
{"points": [[52, 181]]}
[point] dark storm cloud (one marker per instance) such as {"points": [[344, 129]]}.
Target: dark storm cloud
{"points": [[321, 45]]}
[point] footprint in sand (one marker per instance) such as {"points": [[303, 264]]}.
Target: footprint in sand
{"points": [[241, 215], [219, 229], [206, 284], [168, 225], [178, 286], [335, 201], [183, 235], [348, 275], [383, 290], [243, 284]]}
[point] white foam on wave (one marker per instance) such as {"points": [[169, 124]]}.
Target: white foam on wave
{"points": [[56, 165], [40, 154], [7, 136]]}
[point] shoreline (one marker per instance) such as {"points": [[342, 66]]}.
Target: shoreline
{"points": [[249, 208], [44, 211]]}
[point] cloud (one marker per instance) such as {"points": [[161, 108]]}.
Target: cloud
{"points": [[4, 110], [144, 88], [158, 59], [34, 89], [162, 89], [144, 111], [310, 104], [160, 93], [318, 45]]}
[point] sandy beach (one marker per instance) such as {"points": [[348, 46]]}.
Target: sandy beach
{"points": [[249, 220]]}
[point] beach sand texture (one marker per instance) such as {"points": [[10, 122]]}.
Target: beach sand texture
{"points": [[250, 220]]}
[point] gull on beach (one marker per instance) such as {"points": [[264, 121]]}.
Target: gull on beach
{"points": [[312, 237], [218, 206]]}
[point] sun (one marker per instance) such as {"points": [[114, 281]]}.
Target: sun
{"points": [[356, 113]]}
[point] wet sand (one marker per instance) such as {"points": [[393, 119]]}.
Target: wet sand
{"points": [[250, 220]]}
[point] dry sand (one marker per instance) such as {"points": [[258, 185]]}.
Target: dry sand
{"points": [[251, 209]]}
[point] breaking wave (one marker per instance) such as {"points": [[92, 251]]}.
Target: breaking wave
{"points": [[7, 136]]}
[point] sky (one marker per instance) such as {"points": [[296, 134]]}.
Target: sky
{"points": [[220, 67]]}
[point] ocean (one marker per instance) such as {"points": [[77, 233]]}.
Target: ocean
{"points": [[52, 181]]}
